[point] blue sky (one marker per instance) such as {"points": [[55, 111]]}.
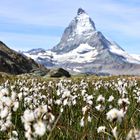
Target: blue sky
{"points": [[27, 24]]}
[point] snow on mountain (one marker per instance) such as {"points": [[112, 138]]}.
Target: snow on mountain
{"points": [[80, 28], [83, 49], [119, 51], [45, 58], [83, 23], [35, 51], [136, 56], [82, 54]]}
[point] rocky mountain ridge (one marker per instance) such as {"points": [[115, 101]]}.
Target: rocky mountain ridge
{"points": [[15, 63]]}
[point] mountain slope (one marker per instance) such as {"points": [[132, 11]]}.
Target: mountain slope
{"points": [[136, 56], [83, 49], [15, 63]]}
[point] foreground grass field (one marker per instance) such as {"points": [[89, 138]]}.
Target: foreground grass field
{"points": [[82, 108]]}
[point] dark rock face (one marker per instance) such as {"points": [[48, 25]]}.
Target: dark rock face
{"points": [[15, 63], [59, 73], [80, 11]]}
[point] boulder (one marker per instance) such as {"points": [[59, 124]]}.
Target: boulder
{"points": [[59, 72]]}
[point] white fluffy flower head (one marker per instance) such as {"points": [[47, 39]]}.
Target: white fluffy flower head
{"points": [[101, 129], [115, 115]]}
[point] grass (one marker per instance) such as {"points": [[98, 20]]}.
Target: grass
{"points": [[66, 100]]}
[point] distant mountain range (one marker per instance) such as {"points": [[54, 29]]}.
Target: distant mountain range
{"points": [[83, 49]]}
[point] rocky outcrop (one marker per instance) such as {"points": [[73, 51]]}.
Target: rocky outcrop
{"points": [[15, 63], [58, 72]]}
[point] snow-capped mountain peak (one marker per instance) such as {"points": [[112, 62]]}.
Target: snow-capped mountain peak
{"points": [[80, 11], [80, 29], [84, 23], [83, 49]]}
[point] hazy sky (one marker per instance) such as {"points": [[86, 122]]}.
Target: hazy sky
{"points": [[27, 24]]}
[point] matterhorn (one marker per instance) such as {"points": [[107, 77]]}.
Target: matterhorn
{"points": [[84, 49]]}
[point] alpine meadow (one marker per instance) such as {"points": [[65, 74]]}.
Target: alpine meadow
{"points": [[62, 80], [76, 108]]}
